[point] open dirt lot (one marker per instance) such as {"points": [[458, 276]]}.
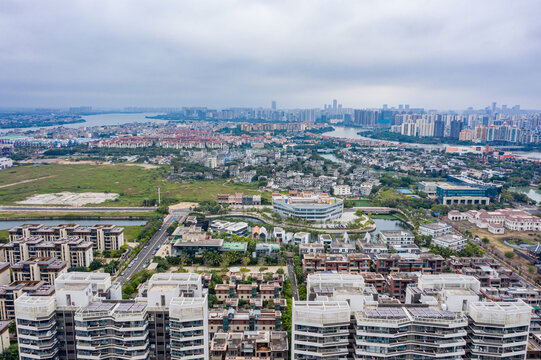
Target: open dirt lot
{"points": [[69, 198]]}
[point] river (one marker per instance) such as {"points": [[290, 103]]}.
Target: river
{"points": [[115, 119], [348, 132], [8, 224], [98, 120]]}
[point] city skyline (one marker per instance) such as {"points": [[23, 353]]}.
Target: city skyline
{"points": [[437, 55]]}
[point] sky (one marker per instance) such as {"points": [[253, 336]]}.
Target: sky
{"points": [[432, 54]]}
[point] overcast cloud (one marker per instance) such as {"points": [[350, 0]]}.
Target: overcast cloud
{"points": [[435, 54]]}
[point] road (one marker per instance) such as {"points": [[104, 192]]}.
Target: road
{"points": [[148, 252], [73, 209], [293, 278]]}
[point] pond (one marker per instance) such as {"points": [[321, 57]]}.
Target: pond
{"points": [[334, 159], [387, 225], [8, 224], [533, 194]]}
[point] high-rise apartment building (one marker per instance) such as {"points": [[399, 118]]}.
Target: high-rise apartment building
{"points": [[38, 269], [86, 318], [498, 330], [112, 330], [442, 318], [409, 333], [188, 326], [103, 237], [320, 330], [74, 251], [36, 327]]}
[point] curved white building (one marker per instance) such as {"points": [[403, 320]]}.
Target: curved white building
{"points": [[313, 207]]}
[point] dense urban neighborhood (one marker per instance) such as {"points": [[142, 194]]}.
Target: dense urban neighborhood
{"points": [[272, 234]]}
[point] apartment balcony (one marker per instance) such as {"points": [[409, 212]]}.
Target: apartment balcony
{"points": [[323, 353], [188, 357], [38, 345], [96, 355], [321, 334], [124, 337], [343, 342], [37, 337], [493, 351], [35, 354], [111, 347]]}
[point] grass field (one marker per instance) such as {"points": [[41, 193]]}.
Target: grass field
{"points": [[131, 232], [134, 184], [359, 203]]}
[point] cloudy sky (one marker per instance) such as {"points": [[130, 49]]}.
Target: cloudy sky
{"points": [[434, 54]]}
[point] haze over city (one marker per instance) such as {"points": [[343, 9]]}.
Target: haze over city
{"points": [[431, 54]]}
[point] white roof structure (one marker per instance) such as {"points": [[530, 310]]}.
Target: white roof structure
{"points": [[34, 307], [188, 308], [442, 281], [99, 281], [501, 313], [321, 313], [335, 281]]}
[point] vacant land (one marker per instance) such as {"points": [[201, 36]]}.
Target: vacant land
{"points": [[133, 184]]}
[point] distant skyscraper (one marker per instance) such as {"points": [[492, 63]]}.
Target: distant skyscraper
{"points": [[273, 105], [456, 128], [400, 107], [385, 106], [407, 106], [334, 104], [494, 106], [439, 127], [485, 120]]}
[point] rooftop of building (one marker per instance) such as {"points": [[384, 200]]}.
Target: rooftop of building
{"points": [[337, 278], [209, 242], [234, 246], [392, 313], [450, 238], [396, 233], [83, 278], [435, 225], [118, 307], [174, 279], [456, 186]]}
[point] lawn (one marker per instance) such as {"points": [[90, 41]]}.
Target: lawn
{"points": [[4, 235], [131, 232], [359, 203], [134, 184]]}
